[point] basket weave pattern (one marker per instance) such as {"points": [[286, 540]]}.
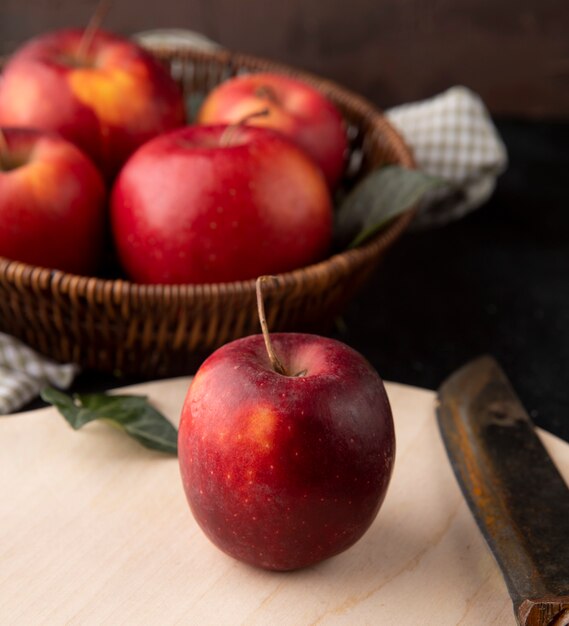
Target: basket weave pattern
{"points": [[164, 330]]}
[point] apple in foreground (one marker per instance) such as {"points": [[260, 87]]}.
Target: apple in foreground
{"points": [[52, 202], [104, 93], [284, 470], [295, 108], [208, 204]]}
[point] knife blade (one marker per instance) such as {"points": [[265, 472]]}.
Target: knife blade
{"points": [[515, 492]]}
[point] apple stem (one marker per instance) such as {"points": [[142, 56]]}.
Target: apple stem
{"points": [[228, 133], [274, 359], [3, 148], [93, 26], [267, 92]]}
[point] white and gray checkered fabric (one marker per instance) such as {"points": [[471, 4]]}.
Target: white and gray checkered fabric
{"points": [[24, 373], [452, 137]]}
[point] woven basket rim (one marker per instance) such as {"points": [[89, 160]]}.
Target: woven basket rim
{"points": [[344, 261]]}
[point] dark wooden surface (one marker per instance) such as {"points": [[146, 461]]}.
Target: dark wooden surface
{"points": [[515, 53]]}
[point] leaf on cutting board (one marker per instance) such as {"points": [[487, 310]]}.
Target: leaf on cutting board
{"points": [[381, 196], [133, 414]]}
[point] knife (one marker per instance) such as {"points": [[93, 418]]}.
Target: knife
{"points": [[515, 492]]}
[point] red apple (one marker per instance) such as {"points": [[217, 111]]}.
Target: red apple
{"points": [[107, 97], [283, 471], [295, 108], [52, 202], [207, 204]]}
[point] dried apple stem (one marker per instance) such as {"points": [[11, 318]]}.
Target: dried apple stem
{"points": [[274, 359], [3, 148], [267, 92], [228, 133], [93, 26]]}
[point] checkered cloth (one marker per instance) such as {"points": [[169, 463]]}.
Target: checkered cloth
{"points": [[24, 373], [452, 137]]}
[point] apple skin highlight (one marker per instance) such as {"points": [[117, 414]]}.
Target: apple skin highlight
{"points": [[282, 472]]}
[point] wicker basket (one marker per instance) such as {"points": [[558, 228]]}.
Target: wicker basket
{"points": [[163, 330]]}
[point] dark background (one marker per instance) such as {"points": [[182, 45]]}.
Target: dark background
{"points": [[495, 282], [514, 53]]}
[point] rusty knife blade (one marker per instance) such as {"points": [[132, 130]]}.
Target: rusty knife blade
{"points": [[516, 494]]}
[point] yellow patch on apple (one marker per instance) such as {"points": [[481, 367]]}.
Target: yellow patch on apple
{"points": [[104, 92], [261, 427], [44, 179]]}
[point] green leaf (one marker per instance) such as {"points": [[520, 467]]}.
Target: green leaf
{"points": [[381, 196], [133, 414], [193, 104]]}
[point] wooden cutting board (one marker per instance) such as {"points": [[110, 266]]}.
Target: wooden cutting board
{"points": [[96, 530]]}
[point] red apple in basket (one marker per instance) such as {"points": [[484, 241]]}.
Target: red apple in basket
{"points": [[102, 92], [52, 202], [207, 204], [295, 108], [282, 470]]}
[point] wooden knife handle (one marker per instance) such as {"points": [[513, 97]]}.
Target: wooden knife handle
{"points": [[548, 611]]}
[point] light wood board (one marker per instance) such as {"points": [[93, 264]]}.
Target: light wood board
{"points": [[96, 530]]}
